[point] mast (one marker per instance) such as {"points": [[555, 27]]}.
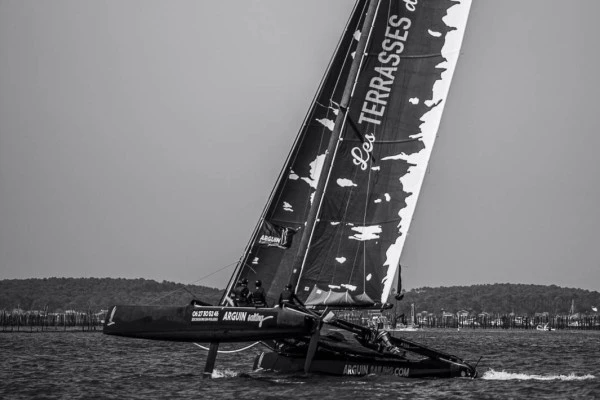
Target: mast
{"points": [[333, 142]]}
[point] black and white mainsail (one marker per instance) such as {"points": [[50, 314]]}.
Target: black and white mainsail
{"points": [[351, 253]]}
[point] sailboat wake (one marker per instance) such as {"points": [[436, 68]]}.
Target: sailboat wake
{"points": [[224, 373], [507, 376]]}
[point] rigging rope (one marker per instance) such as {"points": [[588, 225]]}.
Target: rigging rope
{"points": [[229, 351], [187, 284]]}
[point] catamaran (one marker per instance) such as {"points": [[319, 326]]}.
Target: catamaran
{"points": [[336, 222]]}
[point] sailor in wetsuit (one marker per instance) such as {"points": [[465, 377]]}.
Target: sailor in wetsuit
{"points": [[379, 340], [288, 297], [258, 296], [240, 293]]}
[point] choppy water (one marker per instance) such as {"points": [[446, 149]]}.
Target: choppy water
{"points": [[515, 365]]}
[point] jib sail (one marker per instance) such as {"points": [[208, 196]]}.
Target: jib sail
{"points": [[290, 200]]}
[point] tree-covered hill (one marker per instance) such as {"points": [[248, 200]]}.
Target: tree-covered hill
{"points": [[82, 294], [500, 298]]}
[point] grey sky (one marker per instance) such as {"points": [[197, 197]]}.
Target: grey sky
{"points": [[142, 138]]}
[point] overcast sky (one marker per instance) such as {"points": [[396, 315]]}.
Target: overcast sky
{"points": [[142, 138]]}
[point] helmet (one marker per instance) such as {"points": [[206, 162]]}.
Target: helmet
{"points": [[258, 283]]}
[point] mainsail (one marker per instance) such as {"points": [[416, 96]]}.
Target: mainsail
{"points": [[380, 156]]}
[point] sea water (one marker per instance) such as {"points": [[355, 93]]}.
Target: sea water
{"points": [[514, 364]]}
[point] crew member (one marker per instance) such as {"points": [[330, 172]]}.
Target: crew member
{"points": [[288, 297], [240, 293], [258, 296]]}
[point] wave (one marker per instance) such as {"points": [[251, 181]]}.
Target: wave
{"points": [[506, 376], [224, 373]]}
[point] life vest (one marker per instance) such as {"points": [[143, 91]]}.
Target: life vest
{"points": [[258, 297], [240, 294], [286, 296]]}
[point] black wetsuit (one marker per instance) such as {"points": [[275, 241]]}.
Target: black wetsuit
{"points": [[240, 295], [258, 297], [288, 297]]}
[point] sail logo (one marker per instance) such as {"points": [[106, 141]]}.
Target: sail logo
{"points": [[269, 240], [411, 5], [205, 316], [275, 236], [385, 370], [205, 313], [364, 369], [360, 158], [256, 317], [356, 369], [235, 316], [244, 316], [380, 85]]}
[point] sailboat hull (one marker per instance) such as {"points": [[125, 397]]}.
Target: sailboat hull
{"points": [[360, 366], [340, 353], [206, 323]]}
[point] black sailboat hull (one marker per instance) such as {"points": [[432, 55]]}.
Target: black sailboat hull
{"points": [[361, 366], [206, 323], [340, 353]]}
